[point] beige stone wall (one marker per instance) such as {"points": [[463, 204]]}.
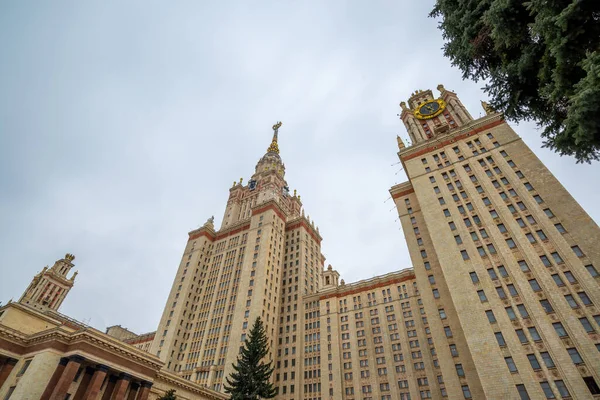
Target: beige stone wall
{"points": [[513, 176], [25, 322]]}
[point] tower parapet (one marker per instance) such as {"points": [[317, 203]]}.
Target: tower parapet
{"points": [[49, 288]]}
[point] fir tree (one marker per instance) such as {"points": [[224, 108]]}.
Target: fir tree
{"points": [[170, 395], [541, 60], [250, 381]]}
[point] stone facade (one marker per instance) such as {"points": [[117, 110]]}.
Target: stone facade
{"points": [[499, 245], [47, 355]]}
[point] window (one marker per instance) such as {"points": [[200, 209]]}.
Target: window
{"points": [[490, 315], [466, 392], [522, 392], [510, 364], [442, 313], [534, 362], [464, 254], [453, 350], [459, 370], [570, 277], [452, 226], [571, 300], [546, 306], [448, 331], [492, 274], [501, 293], [562, 389], [500, 339], [521, 335], [523, 265], [560, 228], [501, 228], [522, 311], [530, 238], [511, 313], [575, 356], [547, 390], [511, 243], [546, 261], [446, 212], [534, 334], [541, 235], [512, 290], [431, 179], [586, 325], [458, 239], [483, 233], [481, 251], [557, 258], [590, 268], [491, 248], [535, 286], [547, 359], [436, 293], [560, 329], [584, 298], [502, 271], [538, 199], [591, 384], [577, 251], [481, 295]]}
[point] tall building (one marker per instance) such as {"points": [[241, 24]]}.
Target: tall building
{"points": [[260, 263], [504, 256], [501, 302]]}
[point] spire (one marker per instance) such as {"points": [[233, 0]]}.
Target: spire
{"points": [[274, 148]]}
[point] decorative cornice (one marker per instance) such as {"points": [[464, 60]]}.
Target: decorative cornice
{"points": [[481, 124], [269, 205], [84, 335], [303, 222], [175, 380], [368, 284], [396, 194]]}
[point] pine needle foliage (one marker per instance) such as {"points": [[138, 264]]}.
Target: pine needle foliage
{"points": [[541, 61], [250, 379], [170, 395]]}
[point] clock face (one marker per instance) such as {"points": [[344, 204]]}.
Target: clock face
{"points": [[252, 185], [430, 109]]}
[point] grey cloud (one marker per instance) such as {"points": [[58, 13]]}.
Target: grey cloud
{"points": [[123, 125]]}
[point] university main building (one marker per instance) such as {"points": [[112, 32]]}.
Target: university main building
{"points": [[502, 302]]}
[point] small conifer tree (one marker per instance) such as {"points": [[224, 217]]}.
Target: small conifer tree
{"points": [[170, 395], [250, 379]]}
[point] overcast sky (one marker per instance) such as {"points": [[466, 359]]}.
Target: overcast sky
{"points": [[124, 124]]}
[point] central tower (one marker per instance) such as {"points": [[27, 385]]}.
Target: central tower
{"points": [[264, 258]]}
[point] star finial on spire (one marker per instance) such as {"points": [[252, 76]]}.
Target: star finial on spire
{"points": [[274, 148]]}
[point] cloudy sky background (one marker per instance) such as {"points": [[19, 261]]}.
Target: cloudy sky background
{"points": [[123, 125]]}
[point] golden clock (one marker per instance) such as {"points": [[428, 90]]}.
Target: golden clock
{"points": [[430, 109]]}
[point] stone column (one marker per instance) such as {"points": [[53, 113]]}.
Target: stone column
{"points": [[83, 385], [64, 382], [145, 390], [110, 386], [95, 384], [54, 379], [121, 387], [133, 392], [7, 368]]}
